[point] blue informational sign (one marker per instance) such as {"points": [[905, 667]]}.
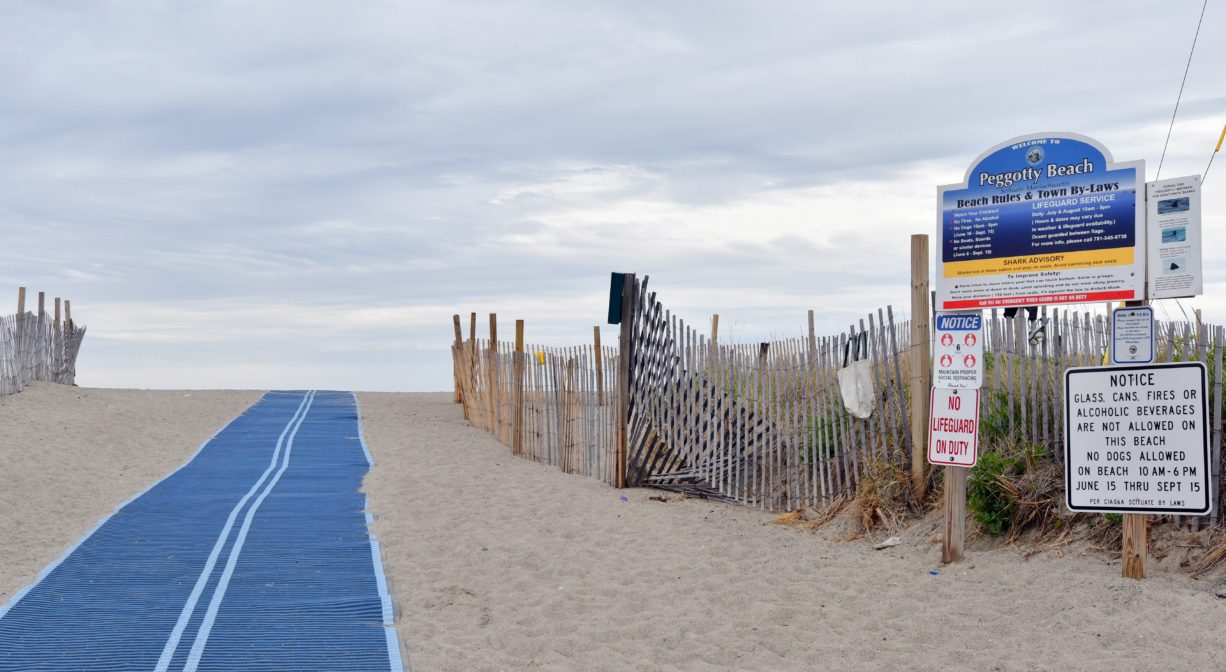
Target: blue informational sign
{"points": [[1046, 218]]}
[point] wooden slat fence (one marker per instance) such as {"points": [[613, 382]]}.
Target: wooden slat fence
{"points": [[34, 348], [569, 410], [763, 424]]}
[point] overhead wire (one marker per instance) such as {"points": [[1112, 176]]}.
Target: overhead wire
{"points": [[1181, 85]]}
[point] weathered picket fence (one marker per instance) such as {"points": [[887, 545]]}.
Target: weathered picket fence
{"points": [[764, 424], [35, 348], [566, 404]]}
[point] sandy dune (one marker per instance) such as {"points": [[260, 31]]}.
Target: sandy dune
{"points": [[500, 564]]}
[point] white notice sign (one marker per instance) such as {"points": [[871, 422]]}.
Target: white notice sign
{"points": [[957, 357], [953, 427], [1132, 335], [1136, 440], [1174, 238]]}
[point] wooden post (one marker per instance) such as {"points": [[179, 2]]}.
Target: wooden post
{"points": [[1136, 545], [21, 315], [492, 386], [42, 306], [68, 314], [568, 458], [517, 413], [1136, 525], [953, 544], [57, 313], [624, 368], [812, 341], [714, 330], [459, 346], [921, 366], [599, 367]]}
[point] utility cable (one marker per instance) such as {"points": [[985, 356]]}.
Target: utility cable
{"points": [[1181, 84]]}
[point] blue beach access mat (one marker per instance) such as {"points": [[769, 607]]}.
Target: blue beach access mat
{"points": [[253, 556]]}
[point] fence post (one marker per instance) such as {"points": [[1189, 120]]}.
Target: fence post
{"points": [[57, 313], [42, 306], [624, 368], [492, 374], [20, 333], [68, 315], [517, 413], [599, 367], [459, 346], [921, 366], [570, 413]]}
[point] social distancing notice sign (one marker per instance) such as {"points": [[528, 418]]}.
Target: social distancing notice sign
{"points": [[957, 357], [1137, 440], [953, 427]]}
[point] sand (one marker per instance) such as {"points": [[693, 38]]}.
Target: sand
{"points": [[70, 455], [497, 563]]}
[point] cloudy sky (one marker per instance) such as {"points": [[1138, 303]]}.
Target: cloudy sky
{"points": [[300, 194]]}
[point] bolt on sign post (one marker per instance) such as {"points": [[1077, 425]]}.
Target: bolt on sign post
{"points": [[1041, 219]]}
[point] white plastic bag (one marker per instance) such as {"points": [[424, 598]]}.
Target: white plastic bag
{"points": [[856, 381]]}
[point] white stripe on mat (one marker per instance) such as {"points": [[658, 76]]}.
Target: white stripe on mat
{"points": [[219, 593], [172, 644]]}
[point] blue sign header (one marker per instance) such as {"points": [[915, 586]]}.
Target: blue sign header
{"points": [[959, 322]]}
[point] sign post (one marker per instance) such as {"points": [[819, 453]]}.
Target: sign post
{"points": [[1136, 443], [953, 443]]}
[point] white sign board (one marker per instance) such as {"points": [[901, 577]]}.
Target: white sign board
{"points": [[1174, 238], [1132, 335], [957, 358], [1136, 439], [953, 427]]}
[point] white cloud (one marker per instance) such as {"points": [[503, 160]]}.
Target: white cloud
{"points": [[239, 194]]}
